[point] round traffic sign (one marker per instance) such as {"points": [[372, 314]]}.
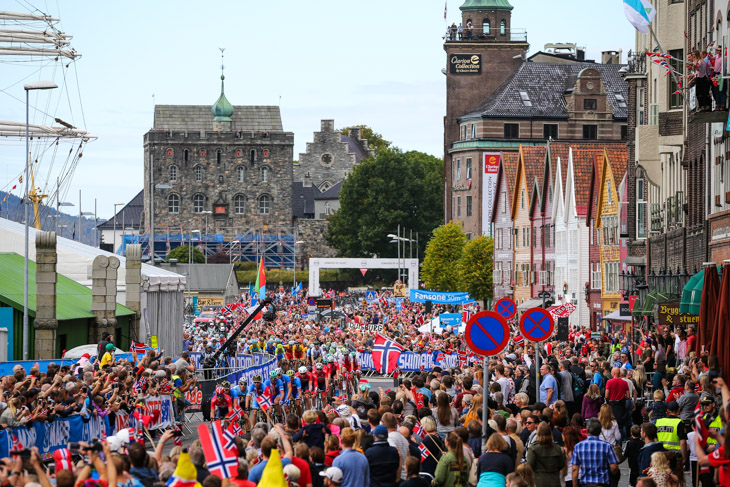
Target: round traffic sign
{"points": [[506, 308], [487, 333], [537, 325], [312, 301]]}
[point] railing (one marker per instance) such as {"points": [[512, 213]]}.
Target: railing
{"points": [[493, 34]]}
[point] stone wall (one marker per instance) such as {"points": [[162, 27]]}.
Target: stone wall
{"points": [[45, 322], [312, 233], [244, 165]]}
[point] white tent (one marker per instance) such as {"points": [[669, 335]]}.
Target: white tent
{"points": [[162, 290]]}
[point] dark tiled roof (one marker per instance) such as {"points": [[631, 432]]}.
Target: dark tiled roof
{"points": [[199, 117], [303, 199], [129, 216], [331, 194], [353, 147], [545, 84]]}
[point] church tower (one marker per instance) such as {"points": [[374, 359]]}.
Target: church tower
{"points": [[477, 62]]}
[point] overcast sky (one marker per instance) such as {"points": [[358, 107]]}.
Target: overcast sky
{"points": [[376, 63]]}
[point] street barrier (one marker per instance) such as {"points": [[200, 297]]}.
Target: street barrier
{"points": [[52, 436], [413, 362]]}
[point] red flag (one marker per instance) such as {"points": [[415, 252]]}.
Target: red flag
{"points": [[385, 354], [221, 461]]}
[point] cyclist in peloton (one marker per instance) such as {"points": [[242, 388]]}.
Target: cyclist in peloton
{"points": [[255, 391], [276, 389], [320, 385], [306, 380], [295, 386]]}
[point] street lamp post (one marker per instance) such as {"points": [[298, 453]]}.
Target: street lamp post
{"points": [[37, 85], [151, 242], [205, 236], [114, 245]]}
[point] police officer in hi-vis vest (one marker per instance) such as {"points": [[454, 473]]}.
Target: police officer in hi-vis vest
{"points": [[672, 432]]}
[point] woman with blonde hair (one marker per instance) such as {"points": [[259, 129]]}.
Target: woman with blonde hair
{"points": [[591, 402], [560, 414], [435, 446], [546, 458], [453, 468], [494, 465], [609, 426], [9, 417], [474, 411], [525, 471]]}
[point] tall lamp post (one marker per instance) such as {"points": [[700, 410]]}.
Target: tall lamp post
{"points": [[114, 245], [151, 243], [37, 85], [205, 235]]}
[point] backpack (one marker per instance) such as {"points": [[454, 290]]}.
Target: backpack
{"points": [[578, 385]]}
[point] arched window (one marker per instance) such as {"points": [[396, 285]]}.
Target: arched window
{"points": [[185, 156], [503, 27], [173, 173], [252, 156], [264, 204], [173, 203], [198, 173], [239, 204], [218, 156], [264, 174], [241, 172], [198, 201], [485, 26]]}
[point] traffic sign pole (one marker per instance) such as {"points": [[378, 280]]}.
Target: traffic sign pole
{"points": [[485, 394], [537, 371]]}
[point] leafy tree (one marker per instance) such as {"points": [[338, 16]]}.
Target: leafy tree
{"points": [[376, 141], [475, 268], [439, 270], [182, 252], [393, 188]]}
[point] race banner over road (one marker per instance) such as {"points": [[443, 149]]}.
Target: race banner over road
{"points": [[420, 296], [413, 362]]}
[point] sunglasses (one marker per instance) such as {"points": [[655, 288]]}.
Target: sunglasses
{"points": [[529, 422]]}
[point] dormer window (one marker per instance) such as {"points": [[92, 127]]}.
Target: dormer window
{"points": [[525, 99]]}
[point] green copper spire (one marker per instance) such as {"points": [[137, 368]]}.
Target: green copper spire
{"points": [[486, 5], [222, 109]]}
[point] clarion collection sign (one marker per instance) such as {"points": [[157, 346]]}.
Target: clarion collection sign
{"points": [[465, 64]]}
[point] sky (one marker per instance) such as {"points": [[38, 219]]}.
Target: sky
{"points": [[376, 63]]}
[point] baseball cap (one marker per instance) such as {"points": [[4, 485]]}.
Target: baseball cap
{"points": [[380, 432], [672, 406], [86, 355], [334, 473]]}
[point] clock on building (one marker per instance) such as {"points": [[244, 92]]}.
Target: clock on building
{"points": [[326, 159]]}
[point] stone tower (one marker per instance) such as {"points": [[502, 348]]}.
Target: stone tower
{"points": [[476, 65]]}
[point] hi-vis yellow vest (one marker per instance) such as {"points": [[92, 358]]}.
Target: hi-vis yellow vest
{"points": [[667, 432], [715, 425], [176, 393]]}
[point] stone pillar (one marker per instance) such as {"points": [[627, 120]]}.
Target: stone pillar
{"points": [[111, 294], [98, 296], [133, 281], [45, 323]]}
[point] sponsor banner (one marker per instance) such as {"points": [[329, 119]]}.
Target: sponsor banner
{"points": [[365, 327], [413, 362], [420, 296], [48, 437], [453, 319], [465, 64], [489, 184], [195, 397]]}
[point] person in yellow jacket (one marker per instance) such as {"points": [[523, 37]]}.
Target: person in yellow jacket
{"points": [[712, 419], [672, 432]]}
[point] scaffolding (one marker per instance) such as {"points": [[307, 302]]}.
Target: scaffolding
{"points": [[277, 249]]}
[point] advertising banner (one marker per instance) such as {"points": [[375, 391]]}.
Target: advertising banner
{"points": [[453, 319], [489, 185], [420, 296], [413, 362], [465, 64], [49, 437]]}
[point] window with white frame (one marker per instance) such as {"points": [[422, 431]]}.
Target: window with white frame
{"points": [[497, 273], [198, 173], [458, 169], [504, 201], [468, 168], [198, 201], [458, 206], [596, 276], [264, 174], [473, 131], [640, 106], [264, 204], [241, 173], [173, 203], [525, 274], [611, 270], [173, 173], [499, 235], [239, 204]]}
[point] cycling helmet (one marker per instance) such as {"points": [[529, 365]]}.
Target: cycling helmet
{"points": [[219, 391], [242, 381], [257, 378], [364, 386], [290, 373], [273, 374], [302, 370], [225, 384], [292, 342], [330, 358], [277, 371], [319, 366]]}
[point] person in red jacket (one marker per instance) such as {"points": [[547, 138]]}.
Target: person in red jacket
{"points": [[221, 402]]}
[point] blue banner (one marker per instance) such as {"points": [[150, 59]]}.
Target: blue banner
{"points": [[453, 319], [52, 436], [413, 362], [418, 296]]}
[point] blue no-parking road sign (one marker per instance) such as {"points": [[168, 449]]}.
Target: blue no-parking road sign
{"points": [[506, 308], [537, 325], [487, 333]]}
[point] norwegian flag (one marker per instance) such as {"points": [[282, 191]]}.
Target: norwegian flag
{"points": [[418, 430], [264, 401], [700, 427], [15, 444], [440, 357], [235, 428], [385, 354], [424, 452], [418, 398], [466, 315], [62, 458], [419, 319], [138, 348], [518, 340], [235, 414], [221, 461], [230, 435], [463, 359]]}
